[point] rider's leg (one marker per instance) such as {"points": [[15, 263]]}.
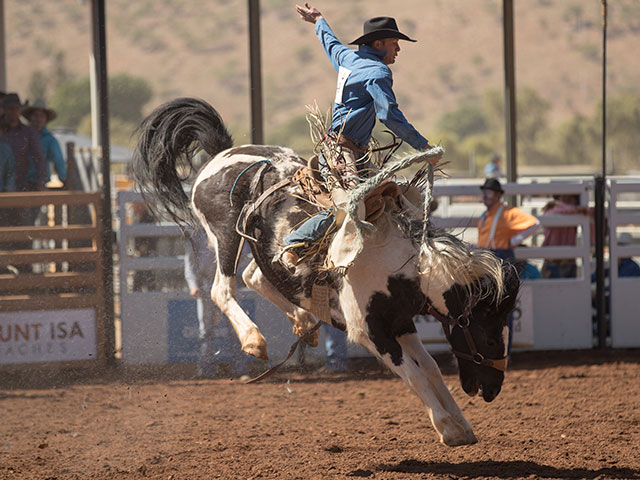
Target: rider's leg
{"points": [[309, 232]]}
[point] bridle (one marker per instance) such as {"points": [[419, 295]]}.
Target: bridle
{"points": [[463, 321]]}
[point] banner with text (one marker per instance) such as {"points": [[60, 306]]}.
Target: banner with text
{"points": [[48, 336]]}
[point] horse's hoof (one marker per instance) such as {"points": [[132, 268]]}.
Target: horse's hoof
{"points": [[311, 340], [302, 321], [255, 345], [256, 351], [467, 438]]}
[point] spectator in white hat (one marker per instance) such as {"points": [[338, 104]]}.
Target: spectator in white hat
{"points": [[39, 116]]}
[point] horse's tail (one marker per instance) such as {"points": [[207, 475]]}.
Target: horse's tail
{"points": [[163, 158]]}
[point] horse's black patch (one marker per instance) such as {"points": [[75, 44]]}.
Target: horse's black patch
{"points": [[391, 316], [215, 207]]}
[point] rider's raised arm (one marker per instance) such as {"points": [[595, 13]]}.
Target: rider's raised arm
{"points": [[332, 46], [390, 115], [334, 49]]}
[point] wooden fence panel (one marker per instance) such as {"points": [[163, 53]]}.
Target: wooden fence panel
{"points": [[51, 282]]}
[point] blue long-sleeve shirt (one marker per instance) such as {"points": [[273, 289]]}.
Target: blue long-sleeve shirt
{"points": [[52, 154], [7, 168], [364, 92]]}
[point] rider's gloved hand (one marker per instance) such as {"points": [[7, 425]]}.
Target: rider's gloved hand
{"points": [[433, 160]]}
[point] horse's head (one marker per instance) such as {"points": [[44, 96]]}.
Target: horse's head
{"points": [[472, 292], [482, 348]]}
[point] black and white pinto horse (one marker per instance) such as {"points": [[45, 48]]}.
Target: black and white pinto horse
{"points": [[399, 273]]}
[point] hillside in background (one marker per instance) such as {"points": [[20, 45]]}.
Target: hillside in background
{"points": [[200, 48]]}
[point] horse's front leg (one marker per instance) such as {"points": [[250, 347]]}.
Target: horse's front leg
{"points": [[422, 374], [301, 320], [425, 380]]}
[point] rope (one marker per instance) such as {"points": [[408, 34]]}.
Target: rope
{"points": [[291, 352], [242, 173], [428, 196], [359, 193]]}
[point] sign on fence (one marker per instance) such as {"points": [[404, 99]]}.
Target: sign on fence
{"points": [[523, 315], [48, 336]]}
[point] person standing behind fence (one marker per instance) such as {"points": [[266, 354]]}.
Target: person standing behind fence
{"points": [[39, 116], [561, 236], [501, 228], [7, 176], [218, 343], [25, 144], [7, 163], [493, 168]]}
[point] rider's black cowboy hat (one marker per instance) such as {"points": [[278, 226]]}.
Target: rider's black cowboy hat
{"points": [[492, 184], [378, 28]]}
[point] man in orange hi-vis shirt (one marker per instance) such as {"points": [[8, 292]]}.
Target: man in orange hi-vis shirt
{"points": [[501, 228]]}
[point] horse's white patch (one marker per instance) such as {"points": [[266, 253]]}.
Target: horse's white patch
{"points": [[386, 253], [218, 163], [505, 338], [222, 160]]}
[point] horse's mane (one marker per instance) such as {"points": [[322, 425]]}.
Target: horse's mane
{"points": [[445, 254], [463, 265]]}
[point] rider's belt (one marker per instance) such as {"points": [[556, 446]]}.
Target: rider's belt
{"points": [[350, 144]]}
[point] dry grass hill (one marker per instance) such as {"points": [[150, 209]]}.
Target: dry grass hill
{"points": [[199, 48]]}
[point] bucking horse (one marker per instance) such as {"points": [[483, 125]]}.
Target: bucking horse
{"points": [[404, 266]]}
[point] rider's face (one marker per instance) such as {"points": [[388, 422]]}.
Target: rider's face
{"points": [[390, 46]]}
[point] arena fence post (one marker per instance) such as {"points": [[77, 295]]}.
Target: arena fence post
{"points": [[600, 276], [600, 192]]}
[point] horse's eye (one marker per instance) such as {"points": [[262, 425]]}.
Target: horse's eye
{"points": [[492, 343]]}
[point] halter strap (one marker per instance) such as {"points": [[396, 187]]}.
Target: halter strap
{"points": [[463, 322]]}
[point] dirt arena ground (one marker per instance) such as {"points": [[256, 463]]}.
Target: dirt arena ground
{"points": [[571, 415]]}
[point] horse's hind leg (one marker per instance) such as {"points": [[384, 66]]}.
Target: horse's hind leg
{"points": [[223, 294], [301, 320]]}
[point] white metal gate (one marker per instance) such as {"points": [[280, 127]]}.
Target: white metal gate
{"points": [[553, 313], [145, 307], [624, 217]]}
